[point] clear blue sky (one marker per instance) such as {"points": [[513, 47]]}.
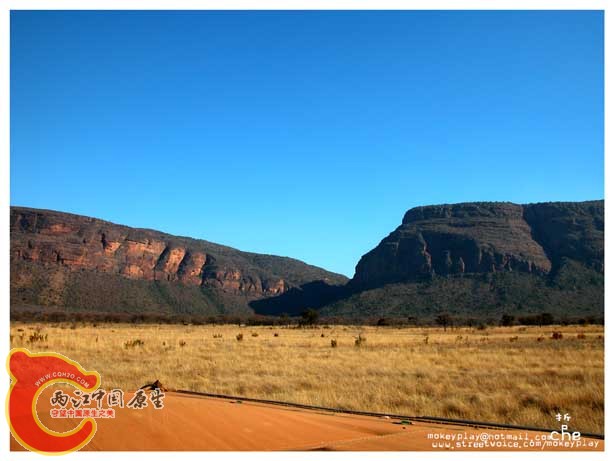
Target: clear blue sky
{"points": [[305, 134]]}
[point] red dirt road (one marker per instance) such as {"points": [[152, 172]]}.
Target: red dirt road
{"points": [[195, 423]]}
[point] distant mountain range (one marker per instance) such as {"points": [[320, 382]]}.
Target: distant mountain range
{"points": [[473, 260], [81, 263]]}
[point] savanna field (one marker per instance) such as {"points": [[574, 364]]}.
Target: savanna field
{"points": [[514, 375]]}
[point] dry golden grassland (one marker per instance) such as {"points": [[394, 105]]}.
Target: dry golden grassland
{"points": [[515, 375]]}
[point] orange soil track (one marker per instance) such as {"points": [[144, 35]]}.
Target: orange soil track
{"points": [[195, 423]]}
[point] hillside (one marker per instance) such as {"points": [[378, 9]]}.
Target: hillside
{"points": [[82, 263], [471, 260], [481, 260]]}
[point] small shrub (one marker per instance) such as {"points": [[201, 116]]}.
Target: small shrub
{"points": [[322, 335], [333, 343], [217, 336], [513, 339], [581, 336], [133, 343], [254, 334], [276, 334], [240, 337], [540, 339], [557, 335], [182, 343], [37, 337]]}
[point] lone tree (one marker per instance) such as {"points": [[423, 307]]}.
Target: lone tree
{"points": [[384, 322], [507, 320], [310, 317], [545, 318], [444, 320]]}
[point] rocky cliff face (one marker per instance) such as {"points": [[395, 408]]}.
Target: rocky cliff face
{"points": [[569, 231], [469, 259], [64, 244], [482, 260], [485, 238]]}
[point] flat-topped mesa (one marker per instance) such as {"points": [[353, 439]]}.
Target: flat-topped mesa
{"points": [[464, 211], [78, 243], [485, 237]]}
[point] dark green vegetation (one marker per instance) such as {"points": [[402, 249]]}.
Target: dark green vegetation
{"points": [[473, 262], [92, 291], [574, 292]]}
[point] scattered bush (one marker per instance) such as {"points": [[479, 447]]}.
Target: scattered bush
{"points": [[384, 322], [254, 334], [133, 343], [444, 320], [333, 343], [182, 343], [240, 337], [545, 318], [309, 317], [507, 320], [557, 335], [96, 318], [37, 337], [581, 336]]}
